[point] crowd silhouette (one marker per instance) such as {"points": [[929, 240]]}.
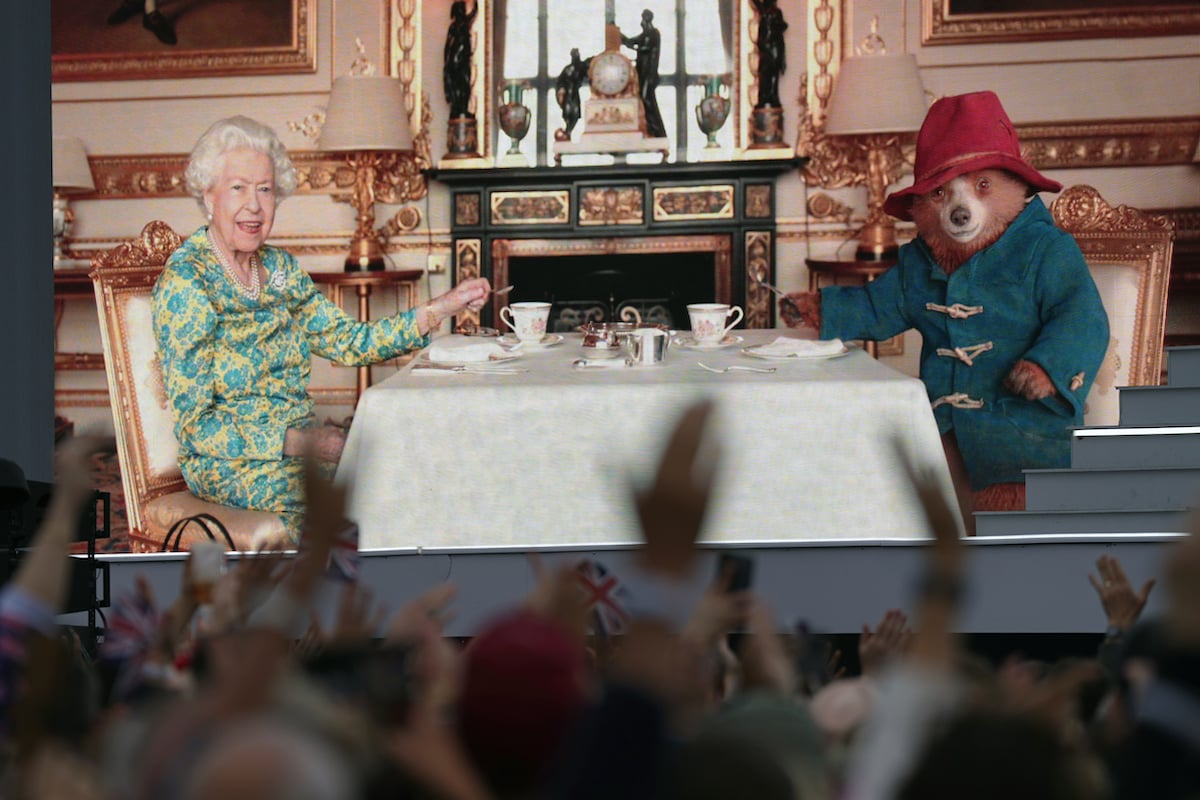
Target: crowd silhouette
{"points": [[211, 694]]}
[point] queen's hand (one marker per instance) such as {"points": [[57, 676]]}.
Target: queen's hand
{"points": [[471, 295]]}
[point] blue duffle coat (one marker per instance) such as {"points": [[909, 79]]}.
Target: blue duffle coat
{"points": [[1029, 295]]}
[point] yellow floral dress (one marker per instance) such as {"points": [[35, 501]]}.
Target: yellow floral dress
{"points": [[237, 370]]}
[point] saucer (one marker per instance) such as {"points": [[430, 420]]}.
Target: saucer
{"points": [[688, 343], [549, 340]]}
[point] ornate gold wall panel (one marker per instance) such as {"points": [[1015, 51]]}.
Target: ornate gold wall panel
{"points": [[758, 200], [612, 205], [531, 207], [297, 245], [466, 209], [758, 268], [1110, 143], [123, 177], [693, 202], [468, 255], [1073, 145]]}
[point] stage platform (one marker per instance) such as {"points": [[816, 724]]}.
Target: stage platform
{"points": [[1017, 584]]}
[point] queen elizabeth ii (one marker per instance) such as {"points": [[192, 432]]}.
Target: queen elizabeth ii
{"points": [[237, 320]]}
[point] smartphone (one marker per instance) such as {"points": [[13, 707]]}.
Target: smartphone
{"points": [[377, 680], [739, 569]]}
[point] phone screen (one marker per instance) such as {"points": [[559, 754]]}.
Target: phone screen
{"points": [[739, 569]]}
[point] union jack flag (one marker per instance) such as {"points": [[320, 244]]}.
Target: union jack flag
{"points": [[344, 560], [131, 632], [132, 629], [607, 598]]}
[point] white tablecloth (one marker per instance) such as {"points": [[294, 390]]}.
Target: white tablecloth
{"points": [[547, 456]]}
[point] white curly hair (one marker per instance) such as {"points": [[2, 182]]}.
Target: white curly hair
{"points": [[233, 133]]}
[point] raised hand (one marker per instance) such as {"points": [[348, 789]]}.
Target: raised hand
{"points": [[942, 581], [1122, 605], [889, 639], [557, 596], [672, 510], [43, 571], [718, 612], [471, 294], [1182, 581], [947, 551], [765, 663], [256, 577], [358, 616], [421, 622]]}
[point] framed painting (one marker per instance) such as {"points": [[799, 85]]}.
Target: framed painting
{"points": [[111, 40], [988, 21]]}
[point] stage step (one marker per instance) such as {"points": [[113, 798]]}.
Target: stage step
{"points": [[1027, 523], [1159, 405], [1135, 448], [1105, 489], [1183, 366]]}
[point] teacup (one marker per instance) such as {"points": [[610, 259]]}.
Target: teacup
{"points": [[527, 320], [647, 345], [710, 322]]}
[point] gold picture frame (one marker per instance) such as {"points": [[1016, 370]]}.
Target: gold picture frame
{"points": [[85, 47], [944, 21]]}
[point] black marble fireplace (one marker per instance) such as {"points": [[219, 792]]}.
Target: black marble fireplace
{"points": [[593, 241]]}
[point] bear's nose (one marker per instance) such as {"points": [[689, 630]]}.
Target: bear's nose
{"points": [[960, 216]]}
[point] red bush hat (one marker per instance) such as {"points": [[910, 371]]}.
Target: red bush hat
{"points": [[960, 134]]}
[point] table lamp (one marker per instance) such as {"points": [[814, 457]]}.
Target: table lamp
{"points": [[72, 174], [366, 119], [877, 99]]}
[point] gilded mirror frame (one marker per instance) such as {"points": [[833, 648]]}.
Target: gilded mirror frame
{"points": [[940, 25]]}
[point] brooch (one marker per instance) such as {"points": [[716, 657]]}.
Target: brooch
{"points": [[277, 279]]}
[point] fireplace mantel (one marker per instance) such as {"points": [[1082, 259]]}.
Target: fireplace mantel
{"points": [[727, 208]]}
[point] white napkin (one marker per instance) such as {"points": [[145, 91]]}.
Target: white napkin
{"points": [[789, 346], [456, 348]]}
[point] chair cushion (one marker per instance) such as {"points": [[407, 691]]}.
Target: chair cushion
{"points": [[154, 431], [250, 530]]}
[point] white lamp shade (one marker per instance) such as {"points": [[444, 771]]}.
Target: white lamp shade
{"points": [[876, 94], [366, 112], [71, 170]]}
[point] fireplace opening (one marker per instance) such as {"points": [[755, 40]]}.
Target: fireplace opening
{"points": [[598, 288]]}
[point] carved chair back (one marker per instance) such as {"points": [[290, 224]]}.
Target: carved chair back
{"points": [[1129, 254]]}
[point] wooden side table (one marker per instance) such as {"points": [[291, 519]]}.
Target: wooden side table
{"points": [[364, 283], [839, 273]]}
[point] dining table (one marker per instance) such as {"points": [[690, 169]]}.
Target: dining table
{"points": [[539, 450]]}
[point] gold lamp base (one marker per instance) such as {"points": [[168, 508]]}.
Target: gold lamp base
{"points": [[365, 255], [877, 241]]}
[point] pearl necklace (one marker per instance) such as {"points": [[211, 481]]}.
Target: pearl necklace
{"points": [[250, 290]]}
